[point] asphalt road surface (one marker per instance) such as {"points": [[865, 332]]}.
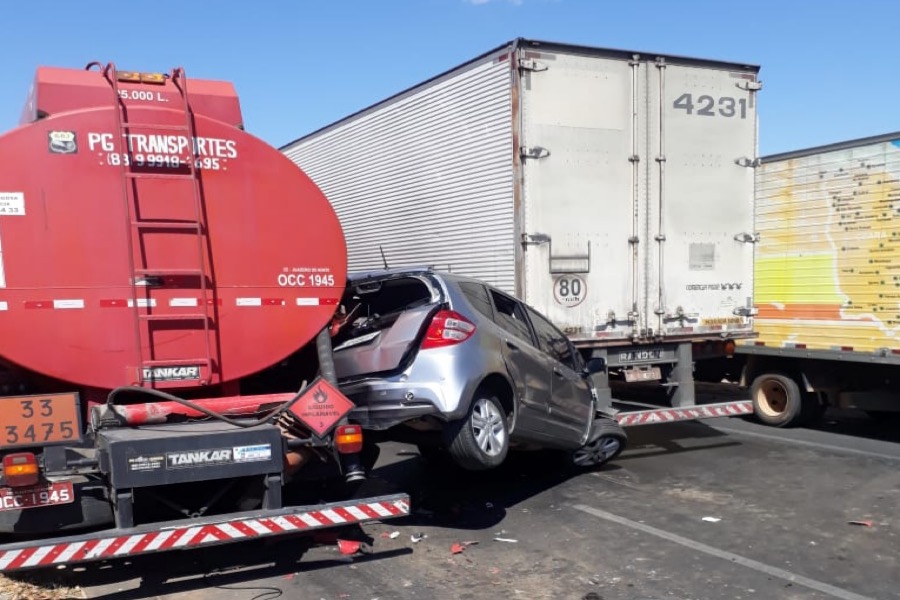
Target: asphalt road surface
{"points": [[723, 509]]}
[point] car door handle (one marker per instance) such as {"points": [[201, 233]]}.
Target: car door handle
{"points": [[511, 345], [557, 372]]}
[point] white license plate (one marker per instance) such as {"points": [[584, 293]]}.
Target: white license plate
{"points": [[636, 356], [47, 494], [651, 374]]}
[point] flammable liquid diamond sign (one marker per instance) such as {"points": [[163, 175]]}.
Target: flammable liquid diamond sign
{"points": [[321, 407]]}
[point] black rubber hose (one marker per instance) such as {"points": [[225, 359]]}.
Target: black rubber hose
{"points": [[326, 356]]}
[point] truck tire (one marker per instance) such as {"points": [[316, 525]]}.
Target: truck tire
{"points": [[778, 401], [480, 441], [606, 443], [91, 509]]}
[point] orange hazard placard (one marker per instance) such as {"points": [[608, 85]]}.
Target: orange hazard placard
{"points": [[321, 407], [39, 420]]}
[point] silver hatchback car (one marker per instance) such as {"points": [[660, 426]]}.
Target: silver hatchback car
{"points": [[459, 367]]}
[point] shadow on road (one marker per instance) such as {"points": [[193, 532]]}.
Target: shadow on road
{"points": [[236, 566]]}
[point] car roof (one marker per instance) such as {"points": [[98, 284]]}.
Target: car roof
{"points": [[364, 276]]}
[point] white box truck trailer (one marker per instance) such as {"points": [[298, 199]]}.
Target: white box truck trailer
{"points": [[612, 190], [827, 283]]}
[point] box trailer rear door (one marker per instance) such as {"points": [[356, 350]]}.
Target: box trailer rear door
{"points": [[637, 193]]}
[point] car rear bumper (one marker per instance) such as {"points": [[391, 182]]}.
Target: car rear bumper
{"points": [[383, 404]]}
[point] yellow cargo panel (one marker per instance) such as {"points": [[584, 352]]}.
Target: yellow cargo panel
{"points": [[827, 268]]}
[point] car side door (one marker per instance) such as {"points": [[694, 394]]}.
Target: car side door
{"points": [[571, 401], [528, 366]]}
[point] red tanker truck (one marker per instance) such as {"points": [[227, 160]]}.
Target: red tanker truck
{"points": [[167, 282]]}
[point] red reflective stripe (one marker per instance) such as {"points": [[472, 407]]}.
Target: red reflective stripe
{"points": [[345, 514], [21, 558], [39, 304], [368, 511], [296, 521], [329, 301], [113, 303], [115, 545], [144, 542], [271, 525], [201, 535], [320, 518], [54, 552], [390, 507], [176, 535], [84, 550], [273, 301], [244, 528]]}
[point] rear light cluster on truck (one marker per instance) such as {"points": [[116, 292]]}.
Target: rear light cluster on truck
{"points": [[20, 469], [348, 439], [447, 328]]}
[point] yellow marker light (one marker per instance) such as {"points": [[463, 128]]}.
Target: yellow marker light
{"points": [[135, 77], [153, 78]]}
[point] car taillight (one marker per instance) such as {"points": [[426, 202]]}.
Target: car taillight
{"points": [[447, 328], [20, 469], [348, 439]]}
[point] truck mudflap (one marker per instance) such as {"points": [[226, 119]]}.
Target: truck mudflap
{"points": [[178, 535], [686, 413]]}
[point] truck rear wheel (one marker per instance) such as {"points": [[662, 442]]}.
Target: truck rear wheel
{"points": [[779, 401]]}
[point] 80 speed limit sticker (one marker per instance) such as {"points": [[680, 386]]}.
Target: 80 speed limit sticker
{"points": [[569, 290]]}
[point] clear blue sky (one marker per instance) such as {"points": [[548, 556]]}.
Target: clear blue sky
{"points": [[828, 66]]}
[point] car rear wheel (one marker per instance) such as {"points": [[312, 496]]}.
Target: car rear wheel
{"points": [[481, 440], [607, 443]]}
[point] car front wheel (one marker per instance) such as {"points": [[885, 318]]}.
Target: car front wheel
{"points": [[606, 443], [480, 441]]}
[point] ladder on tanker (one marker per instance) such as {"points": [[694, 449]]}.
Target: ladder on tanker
{"points": [[143, 274]]}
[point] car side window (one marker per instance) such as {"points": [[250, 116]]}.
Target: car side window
{"points": [[510, 316], [552, 340], [478, 296]]}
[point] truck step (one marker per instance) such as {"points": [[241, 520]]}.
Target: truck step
{"points": [[175, 317], [142, 175], [191, 226]]}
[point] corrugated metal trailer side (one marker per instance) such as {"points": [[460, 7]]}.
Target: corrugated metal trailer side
{"points": [[426, 177]]}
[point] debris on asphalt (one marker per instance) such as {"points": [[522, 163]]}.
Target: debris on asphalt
{"points": [[394, 535], [348, 547], [417, 537], [861, 523], [507, 540], [711, 519], [460, 547], [27, 590]]}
